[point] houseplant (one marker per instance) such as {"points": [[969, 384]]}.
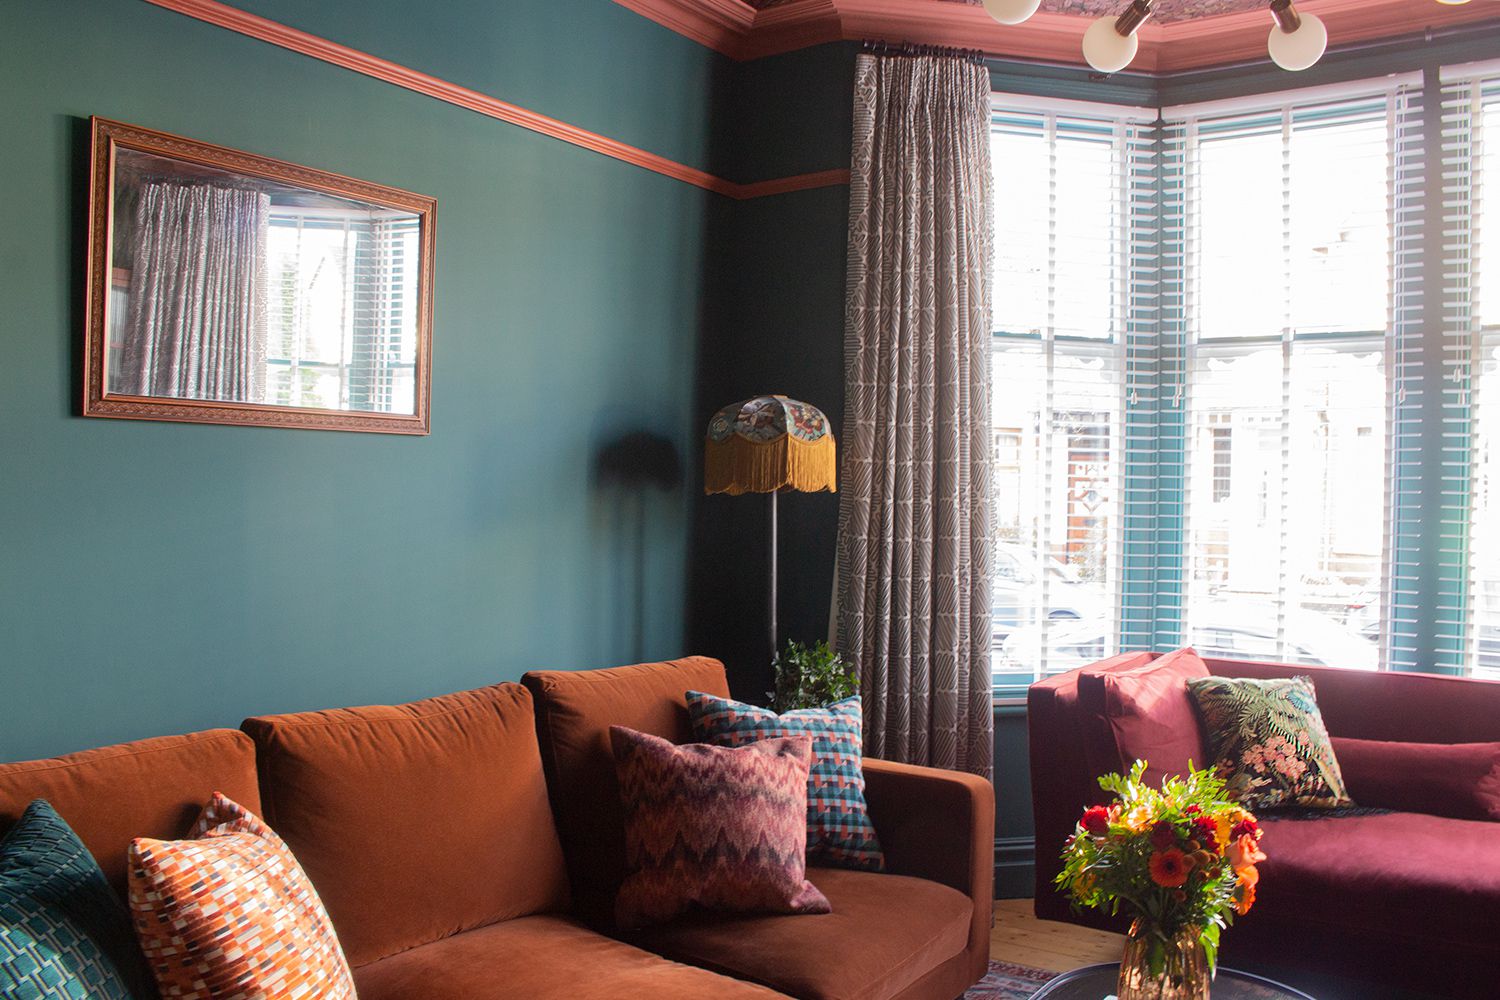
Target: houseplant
{"points": [[1180, 860], [811, 677]]}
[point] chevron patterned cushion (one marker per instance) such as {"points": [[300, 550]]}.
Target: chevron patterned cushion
{"points": [[715, 827], [839, 831], [230, 915], [63, 932]]}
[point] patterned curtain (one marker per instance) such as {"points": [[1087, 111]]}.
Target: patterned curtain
{"points": [[197, 324], [915, 511]]}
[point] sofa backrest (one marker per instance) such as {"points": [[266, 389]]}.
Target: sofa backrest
{"points": [[149, 788], [1068, 742], [575, 709], [1390, 704], [417, 821]]}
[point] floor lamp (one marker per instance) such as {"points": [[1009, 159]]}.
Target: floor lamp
{"points": [[770, 444]]}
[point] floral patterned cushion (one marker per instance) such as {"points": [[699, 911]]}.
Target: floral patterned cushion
{"points": [[1268, 741]]}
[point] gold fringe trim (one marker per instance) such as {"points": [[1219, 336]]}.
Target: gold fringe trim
{"points": [[737, 465]]}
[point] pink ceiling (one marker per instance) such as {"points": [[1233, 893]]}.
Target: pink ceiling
{"points": [[1166, 10]]}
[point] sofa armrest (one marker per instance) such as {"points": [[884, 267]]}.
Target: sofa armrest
{"points": [[939, 825], [934, 824]]}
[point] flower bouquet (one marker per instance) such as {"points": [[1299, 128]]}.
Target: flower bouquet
{"points": [[1180, 860]]}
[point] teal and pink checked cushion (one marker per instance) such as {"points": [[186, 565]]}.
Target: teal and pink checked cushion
{"points": [[839, 831]]}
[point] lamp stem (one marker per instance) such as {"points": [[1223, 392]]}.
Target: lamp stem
{"points": [[1286, 15], [1135, 15], [773, 593]]}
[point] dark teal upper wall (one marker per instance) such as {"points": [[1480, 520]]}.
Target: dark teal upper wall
{"points": [[160, 577]]}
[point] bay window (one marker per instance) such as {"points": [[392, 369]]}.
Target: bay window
{"points": [[1212, 386]]}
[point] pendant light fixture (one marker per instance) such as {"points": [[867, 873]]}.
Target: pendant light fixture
{"points": [[1297, 40], [1111, 43], [1011, 11]]}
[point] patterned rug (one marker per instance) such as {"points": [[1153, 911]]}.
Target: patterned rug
{"points": [[1008, 981]]}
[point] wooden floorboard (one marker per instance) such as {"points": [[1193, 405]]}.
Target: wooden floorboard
{"points": [[1018, 936]]}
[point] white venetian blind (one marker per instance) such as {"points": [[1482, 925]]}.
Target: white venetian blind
{"points": [[342, 300], [1471, 319], [1290, 357], [1063, 310]]}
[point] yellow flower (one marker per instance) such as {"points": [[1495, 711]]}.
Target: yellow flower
{"points": [[1139, 818], [1222, 828]]}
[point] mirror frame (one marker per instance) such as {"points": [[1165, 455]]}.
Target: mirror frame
{"points": [[107, 138]]}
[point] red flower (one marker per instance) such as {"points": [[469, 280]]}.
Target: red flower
{"points": [[1163, 835], [1169, 869], [1245, 827], [1096, 820], [1192, 811], [1208, 831]]}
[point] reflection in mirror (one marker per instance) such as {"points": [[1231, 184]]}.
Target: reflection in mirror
{"points": [[256, 284]]}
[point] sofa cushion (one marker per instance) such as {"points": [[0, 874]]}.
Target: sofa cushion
{"points": [[717, 827], [149, 788], [886, 933], [839, 831], [415, 821], [63, 932], [1267, 740], [228, 913], [575, 709], [1396, 876], [541, 958], [1149, 711], [1457, 780]]}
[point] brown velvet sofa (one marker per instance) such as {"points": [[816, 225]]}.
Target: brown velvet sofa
{"points": [[468, 847], [1392, 898]]}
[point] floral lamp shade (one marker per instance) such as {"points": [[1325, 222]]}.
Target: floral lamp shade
{"points": [[768, 444]]}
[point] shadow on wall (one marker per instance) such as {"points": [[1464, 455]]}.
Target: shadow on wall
{"points": [[637, 485]]}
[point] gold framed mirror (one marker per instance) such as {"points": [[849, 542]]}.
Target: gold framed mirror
{"points": [[230, 288]]}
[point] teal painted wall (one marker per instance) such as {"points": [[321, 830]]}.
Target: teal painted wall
{"points": [[160, 578]]}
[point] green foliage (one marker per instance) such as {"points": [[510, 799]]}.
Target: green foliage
{"points": [[1107, 863], [811, 677]]}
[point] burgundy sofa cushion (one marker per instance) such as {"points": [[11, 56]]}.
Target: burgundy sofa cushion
{"points": [[1403, 877], [1458, 780], [1149, 711]]}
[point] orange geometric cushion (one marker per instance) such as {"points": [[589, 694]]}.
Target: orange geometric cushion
{"points": [[230, 915]]}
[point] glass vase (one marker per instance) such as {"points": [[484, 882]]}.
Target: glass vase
{"points": [[1160, 966]]}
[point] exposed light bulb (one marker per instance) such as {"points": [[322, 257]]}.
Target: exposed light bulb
{"points": [[1106, 49], [1300, 47], [1453, 3], [1110, 43], [1011, 11]]}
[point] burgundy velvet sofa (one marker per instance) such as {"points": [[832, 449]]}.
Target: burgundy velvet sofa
{"points": [[1399, 899], [468, 847]]}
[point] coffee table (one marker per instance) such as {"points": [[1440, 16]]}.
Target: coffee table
{"points": [[1096, 982]]}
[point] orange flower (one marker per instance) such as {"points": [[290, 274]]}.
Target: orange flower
{"points": [[1169, 869], [1245, 852], [1244, 889]]}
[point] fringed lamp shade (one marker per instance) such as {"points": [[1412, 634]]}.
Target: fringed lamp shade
{"points": [[768, 444]]}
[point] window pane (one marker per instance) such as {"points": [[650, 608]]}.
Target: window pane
{"points": [[1339, 231], [1057, 510], [1241, 275]]}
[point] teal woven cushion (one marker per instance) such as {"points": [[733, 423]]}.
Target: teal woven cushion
{"points": [[64, 935], [839, 831]]}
